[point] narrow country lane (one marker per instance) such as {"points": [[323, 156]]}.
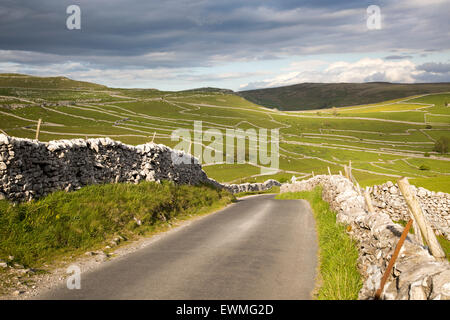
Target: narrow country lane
{"points": [[257, 248]]}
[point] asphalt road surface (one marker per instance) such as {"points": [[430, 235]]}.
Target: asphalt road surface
{"points": [[257, 248]]}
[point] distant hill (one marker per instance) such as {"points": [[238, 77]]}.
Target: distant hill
{"points": [[208, 90], [309, 96], [27, 81]]}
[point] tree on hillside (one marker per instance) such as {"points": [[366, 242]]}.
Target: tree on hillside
{"points": [[441, 145]]}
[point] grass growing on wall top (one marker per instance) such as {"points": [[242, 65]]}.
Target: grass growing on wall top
{"points": [[339, 276], [62, 223]]}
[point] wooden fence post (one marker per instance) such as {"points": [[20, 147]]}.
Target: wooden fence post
{"points": [[350, 169], [387, 272], [356, 184], [368, 200], [417, 234], [38, 128], [416, 210]]}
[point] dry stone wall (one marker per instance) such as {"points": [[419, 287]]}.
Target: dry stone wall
{"points": [[435, 205], [416, 273], [252, 187], [31, 169]]}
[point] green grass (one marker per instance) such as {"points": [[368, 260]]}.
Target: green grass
{"points": [[382, 108], [413, 116], [340, 279], [441, 183], [230, 172], [445, 244], [149, 111], [62, 223], [440, 166], [366, 179], [26, 81]]}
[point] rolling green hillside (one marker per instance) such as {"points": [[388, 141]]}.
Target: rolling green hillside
{"points": [[384, 140], [23, 80], [307, 96]]}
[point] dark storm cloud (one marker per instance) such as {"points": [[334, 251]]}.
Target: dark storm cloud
{"points": [[394, 57], [432, 77], [190, 33], [433, 72], [435, 67]]}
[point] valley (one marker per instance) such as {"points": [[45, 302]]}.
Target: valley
{"points": [[383, 141]]}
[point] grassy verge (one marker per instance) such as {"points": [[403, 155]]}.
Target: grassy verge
{"points": [[445, 244], [339, 276], [72, 223]]}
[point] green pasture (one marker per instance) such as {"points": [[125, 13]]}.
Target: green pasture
{"points": [[310, 141]]}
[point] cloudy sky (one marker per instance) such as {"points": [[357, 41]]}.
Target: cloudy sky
{"points": [[235, 44]]}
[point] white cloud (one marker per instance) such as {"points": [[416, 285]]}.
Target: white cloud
{"points": [[366, 69], [363, 70]]}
